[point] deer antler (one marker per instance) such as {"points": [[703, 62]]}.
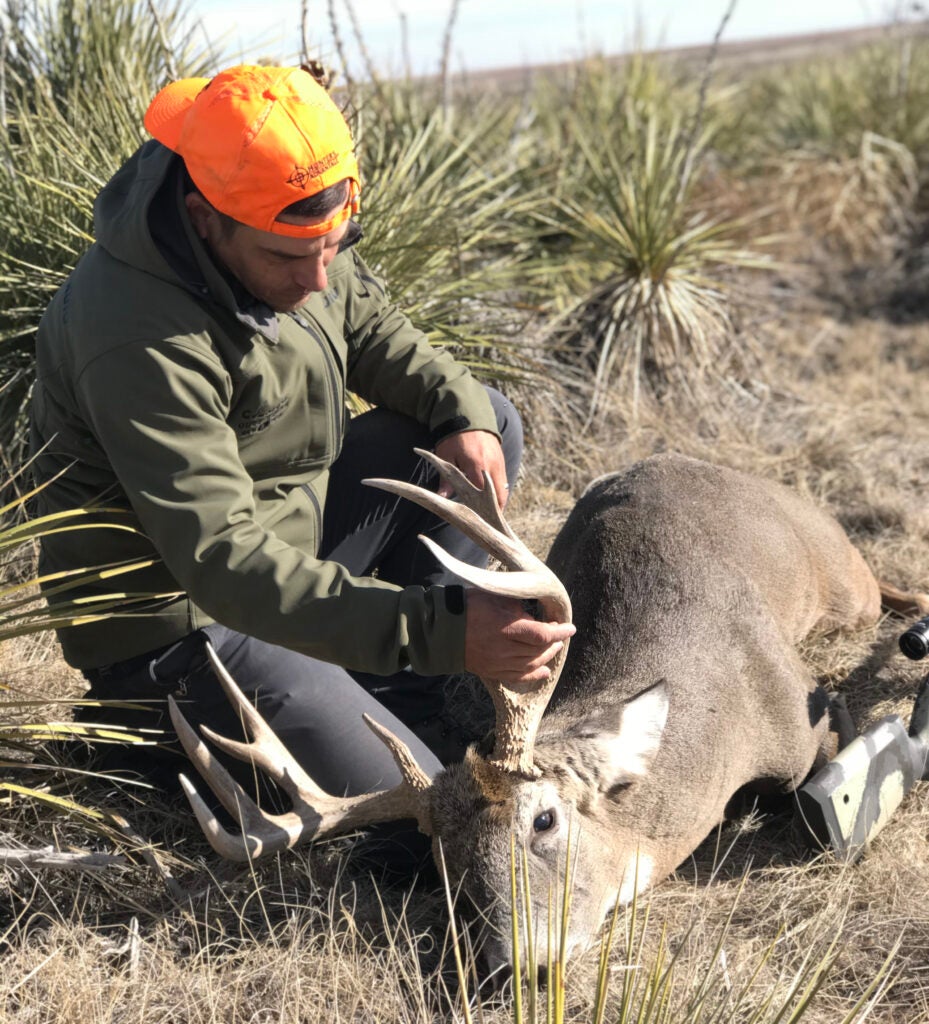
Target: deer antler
{"points": [[314, 813], [519, 706]]}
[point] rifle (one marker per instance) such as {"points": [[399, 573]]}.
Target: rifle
{"points": [[845, 804]]}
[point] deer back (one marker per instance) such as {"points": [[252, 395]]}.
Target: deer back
{"points": [[683, 555]]}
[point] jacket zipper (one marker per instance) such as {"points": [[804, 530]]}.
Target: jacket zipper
{"points": [[318, 511], [335, 392]]}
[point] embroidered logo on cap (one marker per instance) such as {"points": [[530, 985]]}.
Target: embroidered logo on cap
{"points": [[302, 175]]}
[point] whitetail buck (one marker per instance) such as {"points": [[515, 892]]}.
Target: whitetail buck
{"points": [[691, 586]]}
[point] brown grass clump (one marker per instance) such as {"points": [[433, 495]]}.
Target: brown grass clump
{"points": [[312, 964], [854, 208]]}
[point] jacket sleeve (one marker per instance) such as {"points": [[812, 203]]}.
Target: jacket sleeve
{"points": [[159, 411], [393, 364]]}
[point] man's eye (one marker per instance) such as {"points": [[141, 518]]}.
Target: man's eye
{"points": [[544, 821]]}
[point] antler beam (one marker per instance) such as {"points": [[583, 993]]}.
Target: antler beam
{"points": [[519, 707], [315, 813]]}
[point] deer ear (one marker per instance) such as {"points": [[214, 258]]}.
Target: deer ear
{"points": [[621, 741]]}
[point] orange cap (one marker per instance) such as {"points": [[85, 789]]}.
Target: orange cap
{"points": [[255, 140]]}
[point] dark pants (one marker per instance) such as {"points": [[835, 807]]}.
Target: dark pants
{"points": [[315, 707]]}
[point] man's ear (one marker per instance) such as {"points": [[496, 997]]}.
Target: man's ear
{"points": [[200, 212], [620, 741]]}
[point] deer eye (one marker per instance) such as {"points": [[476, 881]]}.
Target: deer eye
{"points": [[543, 822]]}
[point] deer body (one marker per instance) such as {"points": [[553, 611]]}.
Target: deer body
{"points": [[691, 585]]}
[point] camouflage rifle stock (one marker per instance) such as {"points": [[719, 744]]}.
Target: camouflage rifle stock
{"points": [[850, 800]]}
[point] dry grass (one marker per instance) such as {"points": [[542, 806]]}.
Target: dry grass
{"points": [[836, 405]]}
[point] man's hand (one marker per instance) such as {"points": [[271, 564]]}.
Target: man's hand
{"points": [[503, 642], [475, 452]]}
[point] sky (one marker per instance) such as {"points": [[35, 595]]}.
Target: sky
{"points": [[501, 33]]}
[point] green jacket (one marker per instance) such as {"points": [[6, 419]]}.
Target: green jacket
{"points": [[216, 423]]}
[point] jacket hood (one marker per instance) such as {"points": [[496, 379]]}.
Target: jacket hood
{"points": [[122, 209], [140, 219]]}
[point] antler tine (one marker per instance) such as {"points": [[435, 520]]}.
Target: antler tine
{"points": [[224, 786], [265, 751], [540, 585], [519, 707], [315, 812], [476, 513], [482, 500], [413, 775], [495, 536]]}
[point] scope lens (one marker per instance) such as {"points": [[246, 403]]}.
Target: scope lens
{"points": [[915, 641]]}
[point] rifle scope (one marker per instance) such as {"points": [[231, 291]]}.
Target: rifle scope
{"points": [[915, 641]]}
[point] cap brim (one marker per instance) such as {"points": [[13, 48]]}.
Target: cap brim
{"points": [[167, 112]]}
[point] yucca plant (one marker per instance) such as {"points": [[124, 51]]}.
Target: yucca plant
{"points": [[840, 145], [445, 220], [593, 96], [589, 98], [76, 78], [826, 110], [645, 270], [23, 612], [827, 105]]}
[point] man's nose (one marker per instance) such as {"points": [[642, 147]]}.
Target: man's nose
{"points": [[311, 276]]}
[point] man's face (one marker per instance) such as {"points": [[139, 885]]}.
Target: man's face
{"points": [[277, 269]]}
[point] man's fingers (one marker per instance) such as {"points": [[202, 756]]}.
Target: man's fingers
{"points": [[517, 668], [538, 675], [536, 670], [503, 642], [538, 634], [541, 660], [475, 452]]}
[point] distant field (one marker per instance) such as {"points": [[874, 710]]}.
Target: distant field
{"points": [[733, 56]]}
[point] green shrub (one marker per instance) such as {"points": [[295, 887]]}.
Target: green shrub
{"points": [[826, 105], [445, 218], [77, 75], [644, 272]]}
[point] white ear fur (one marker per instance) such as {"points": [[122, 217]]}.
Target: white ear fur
{"points": [[641, 729], [625, 753]]}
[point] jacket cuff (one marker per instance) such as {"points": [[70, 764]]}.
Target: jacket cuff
{"points": [[453, 426], [477, 418], [435, 628]]}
